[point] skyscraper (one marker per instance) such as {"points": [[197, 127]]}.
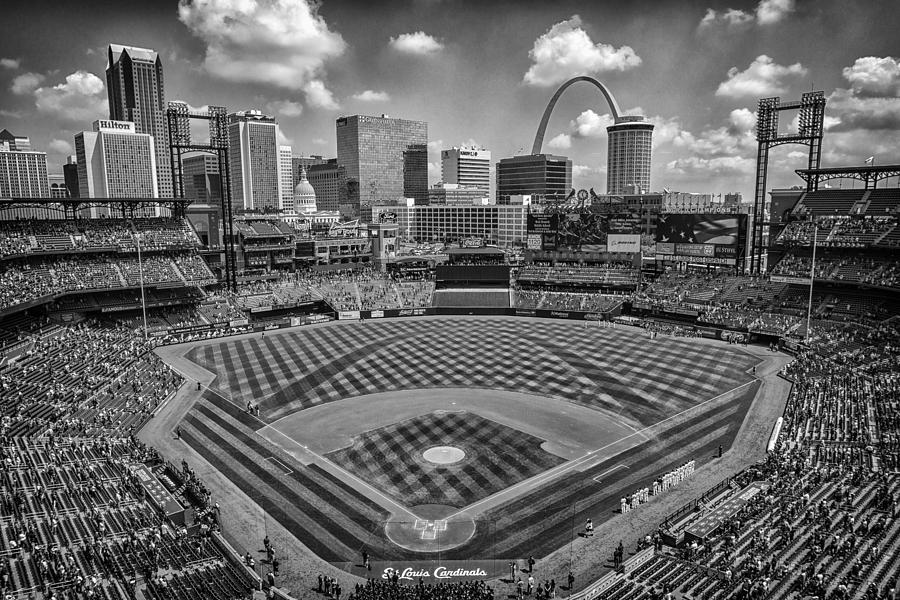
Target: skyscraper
{"points": [[253, 152], [114, 161], [329, 180], [286, 179], [134, 83], [70, 171], [470, 167], [23, 172], [386, 157], [202, 180], [533, 174], [306, 162], [630, 141]]}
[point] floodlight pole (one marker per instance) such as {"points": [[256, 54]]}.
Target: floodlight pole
{"points": [[812, 277], [137, 239]]}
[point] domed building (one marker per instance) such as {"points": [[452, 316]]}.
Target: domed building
{"points": [[304, 195]]}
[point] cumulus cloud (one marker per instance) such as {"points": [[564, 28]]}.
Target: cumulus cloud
{"points": [[318, 96], [874, 77], [566, 50], [562, 141], [584, 171], [280, 43], [10, 63], [590, 124], [872, 102], [764, 77], [81, 98], [60, 147], [434, 160], [26, 83], [372, 96], [767, 12], [287, 108], [415, 43], [320, 141], [728, 166]]}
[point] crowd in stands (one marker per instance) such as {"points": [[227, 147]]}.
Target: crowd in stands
{"points": [[392, 589], [606, 275]]}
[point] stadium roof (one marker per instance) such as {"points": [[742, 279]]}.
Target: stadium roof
{"points": [[865, 173], [484, 251]]}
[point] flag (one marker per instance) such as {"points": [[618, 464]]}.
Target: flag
{"points": [[870, 160]]}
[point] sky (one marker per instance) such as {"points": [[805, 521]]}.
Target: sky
{"points": [[481, 73]]}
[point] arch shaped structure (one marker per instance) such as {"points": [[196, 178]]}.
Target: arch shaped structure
{"points": [[542, 128]]}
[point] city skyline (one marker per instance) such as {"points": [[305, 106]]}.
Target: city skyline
{"points": [[481, 75]]}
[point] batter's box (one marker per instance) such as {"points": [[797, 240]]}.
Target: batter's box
{"points": [[430, 529], [280, 465]]}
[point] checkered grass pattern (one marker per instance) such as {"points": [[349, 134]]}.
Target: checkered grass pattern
{"points": [[497, 456]]}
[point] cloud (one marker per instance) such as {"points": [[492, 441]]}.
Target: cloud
{"points": [[584, 171], [10, 63], [669, 131], [763, 77], [434, 160], [320, 141], [283, 139], [730, 166], [285, 108], [279, 43], [767, 12], [60, 147], [561, 142], [81, 98], [26, 83], [415, 43], [873, 76], [871, 103], [590, 124], [566, 50], [372, 96], [318, 96]]}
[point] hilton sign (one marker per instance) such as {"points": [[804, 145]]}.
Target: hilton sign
{"points": [[117, 126]]}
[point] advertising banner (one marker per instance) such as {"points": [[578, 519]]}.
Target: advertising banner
{"points": [[624, 242], [541, 223], [348, 315]]}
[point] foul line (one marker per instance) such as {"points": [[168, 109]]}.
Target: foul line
{"points": [[587, 457], [346, 473], [598, 479]]}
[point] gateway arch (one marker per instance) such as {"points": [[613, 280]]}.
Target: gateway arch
{"points": [[629, 140]]}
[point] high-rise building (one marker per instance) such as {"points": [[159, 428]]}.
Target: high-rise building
{"points": [[286, 177], [545, 175], [630, 141], [329, 180], [134, 84], [306, 162], [70, 172], [23, 172], [11, 142], [202, 180], [114, 161], [57, 183], [255, 161], [470, 167], [387, 159]]}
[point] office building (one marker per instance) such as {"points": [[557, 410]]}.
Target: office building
{"points": [[256, 182], [455, 194], [134, 84], [286, 178], [306, 162], [57, 183], [630, 141], [541, 175], [329, 180], [23, 172], [470, 167], [501, 225], [114, 161], [70, 172], [202, 180], [386, 160]]}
